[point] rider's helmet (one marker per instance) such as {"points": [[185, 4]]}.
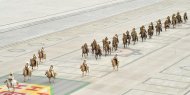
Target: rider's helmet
{"points": [[177, 13], [27, 63], [51, 66]]}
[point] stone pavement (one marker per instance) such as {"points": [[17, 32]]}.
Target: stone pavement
{"points": [[32, 28], [158, 66]]}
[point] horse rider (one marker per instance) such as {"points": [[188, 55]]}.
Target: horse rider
{"points": [[106, 39], [51, 70], [116, 59], [34, 57], [94, 42], [42, 50], [26, 67], [134, 32]]}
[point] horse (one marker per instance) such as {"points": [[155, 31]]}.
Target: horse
{"points": [[11, 84], [27, 73], [49, 75], [174, 20], [143, 33], [84, 68], [98, 52], [128, 38], [185, 17], [150, 32], [115, 64], [93, 46], [166, 24], [178, 17], [115, 42], [33, 63], [104, 42], [152, 26], [85, 50], [107, 48], [134, 37], [158, 28], [41, 55], [124, 40], [169, 21]]}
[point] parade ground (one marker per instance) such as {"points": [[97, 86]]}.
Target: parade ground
{"points": [[157, 66]]}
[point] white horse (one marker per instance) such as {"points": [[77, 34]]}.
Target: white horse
{"points": [[11, 84]]}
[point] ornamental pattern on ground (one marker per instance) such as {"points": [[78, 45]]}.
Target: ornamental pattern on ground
{"points": [[27, 89]]}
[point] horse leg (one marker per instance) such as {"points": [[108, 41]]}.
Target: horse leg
{"points": [[8, 87], [85, 73], [24, 79], [13, 89], [85, 56], [82, 73], [49, 80], [53, 79]]}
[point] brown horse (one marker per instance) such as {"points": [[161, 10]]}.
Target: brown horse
{"points": [[115, 42], [158, 28], [174, 20], [85, 69], [169, 21], [107, 48], [104, 42], [178, 17], [41, 55], [166, 24], [50, 76], [185, 17], [150, 32], [98, 52], [85, 50], [124, 40], [33, 63], [27, 73], [134, 36], [128, 39], [115, 64], [143, 33], [93, 46]]}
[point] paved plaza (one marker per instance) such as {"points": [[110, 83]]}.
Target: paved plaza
{"points": [[158, 66]]}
